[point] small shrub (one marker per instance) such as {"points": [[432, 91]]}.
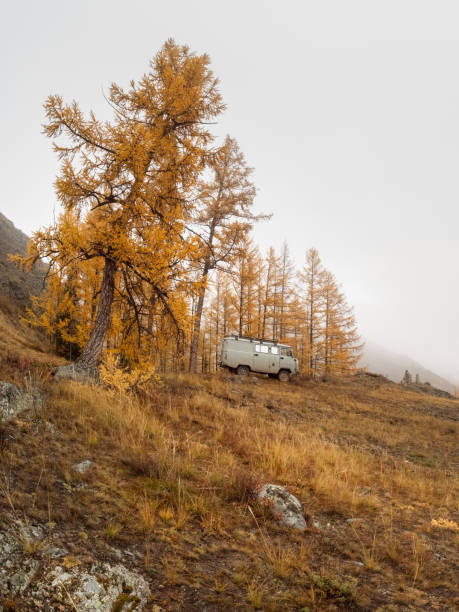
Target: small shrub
{"points": [[241, 486], [121, 381], [332, 588]]}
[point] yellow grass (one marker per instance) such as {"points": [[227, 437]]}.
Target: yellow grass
{"points": [[175, 469]]}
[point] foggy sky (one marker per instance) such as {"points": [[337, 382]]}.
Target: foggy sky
{"points": [[348, 111]]}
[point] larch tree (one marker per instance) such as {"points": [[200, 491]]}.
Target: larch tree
{"points": [[340, 341], [268, 291], [224, 217], [125, 185], [285, 276], [244, 276], [311, 278]]}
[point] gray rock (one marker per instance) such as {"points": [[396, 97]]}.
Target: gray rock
{"points": [[21, 579], [83, 466], [75, 372], [55, 552], [51, 428], [285, 507], [102, 588], [13, 401]]}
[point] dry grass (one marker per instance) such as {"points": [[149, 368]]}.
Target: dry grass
{"points": [[175, 469], [22, 349]]}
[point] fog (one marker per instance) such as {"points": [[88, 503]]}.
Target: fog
{"points": [[348, 111]]}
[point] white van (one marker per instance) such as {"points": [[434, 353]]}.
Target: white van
{"points": [[243, 355]]}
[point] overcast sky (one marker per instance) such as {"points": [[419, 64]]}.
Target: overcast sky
{"points": [[348, 111]]}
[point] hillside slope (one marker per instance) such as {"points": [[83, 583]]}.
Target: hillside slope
{"points": [[167, 495], [380, 360], [16, 284]]}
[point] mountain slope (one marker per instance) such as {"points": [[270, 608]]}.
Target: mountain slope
{"points": [[380, 360], [15, 283], [169, 494]]}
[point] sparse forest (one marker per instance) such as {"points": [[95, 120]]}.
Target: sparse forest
{"points": [[152, 260]]}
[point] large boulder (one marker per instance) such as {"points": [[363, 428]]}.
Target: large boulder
{"points": [[284, 506], [13, 401]]}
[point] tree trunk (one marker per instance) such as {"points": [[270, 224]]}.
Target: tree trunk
{"points": [[197, 322], [90, 355]]}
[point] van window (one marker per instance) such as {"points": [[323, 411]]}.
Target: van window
{"points": [[274, 350], [286, 352], [257, 348], [264, 349]]}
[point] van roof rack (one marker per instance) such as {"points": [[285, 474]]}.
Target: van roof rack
{"points": [[252, 339]]}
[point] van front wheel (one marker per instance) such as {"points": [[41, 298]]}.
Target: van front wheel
{"points": [[283, 376], [243, 370]]}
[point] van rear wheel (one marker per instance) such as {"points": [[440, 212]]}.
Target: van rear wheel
{"points": [[243, 370], [283, 376]]}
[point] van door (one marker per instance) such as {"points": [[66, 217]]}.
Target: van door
{"points": [[261, 358], [274, 360], [286, 359]]}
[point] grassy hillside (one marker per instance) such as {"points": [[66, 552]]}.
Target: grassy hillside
{"points": [[374, 465]]}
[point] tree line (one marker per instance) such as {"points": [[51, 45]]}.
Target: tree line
{"points": [[264, 296], [151, 258]]}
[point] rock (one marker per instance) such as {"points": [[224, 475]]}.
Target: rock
{"points": [[102, 588], [75, 372], [21, 579], [285, 507], [55, 552], [52, 429], [13, 401], [83, 466]]}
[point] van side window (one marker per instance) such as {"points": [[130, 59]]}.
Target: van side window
{"points": [[257, 348], [286, 352], [274, 350], [264, 349]]}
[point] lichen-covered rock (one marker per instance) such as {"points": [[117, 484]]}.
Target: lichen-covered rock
{"points": [[20, 580], [103, 588], [17, 568], [31, 572], [74, 372], [13, 401], [284, 506]]}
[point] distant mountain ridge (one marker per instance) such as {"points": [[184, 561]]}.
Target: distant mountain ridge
{"points": [[380, 360], [16, 283]]}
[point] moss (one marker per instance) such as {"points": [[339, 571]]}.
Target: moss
{"points": [[342, 592], [126, 602]]}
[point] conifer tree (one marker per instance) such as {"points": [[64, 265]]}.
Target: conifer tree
{"points": [[126, 184], [340, 346], [311, 278], [223, 219], [407, 378], [286, 274], [267, 310], [245, 274]]}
